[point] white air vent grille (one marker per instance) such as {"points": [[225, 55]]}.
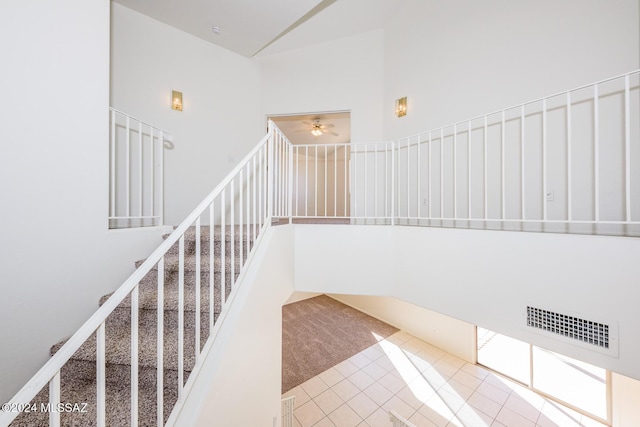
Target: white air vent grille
{"points": [[586, 331]]}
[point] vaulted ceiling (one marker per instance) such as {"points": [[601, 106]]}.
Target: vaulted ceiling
{"points": [[249, 27]]}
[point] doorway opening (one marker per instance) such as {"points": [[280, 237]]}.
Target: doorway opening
{"points": [[579, 385], [321, 155]]}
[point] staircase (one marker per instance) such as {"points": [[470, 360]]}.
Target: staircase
{"points": [[78, 376], [112, 362]]}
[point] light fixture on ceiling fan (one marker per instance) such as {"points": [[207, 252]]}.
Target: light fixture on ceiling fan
{"points": [[317, 128]]}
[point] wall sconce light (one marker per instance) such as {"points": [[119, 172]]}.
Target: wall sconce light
{"points": [[401, 106], [176, 100]]}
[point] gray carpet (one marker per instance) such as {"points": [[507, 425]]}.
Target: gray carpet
{"points": [[320, 332], [78, 378]]}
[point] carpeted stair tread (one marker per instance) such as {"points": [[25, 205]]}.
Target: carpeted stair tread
{"points": [[190, 240], [148, 289], [118, 341], [205, 247], [78, 376], [172, 263], [78, 385], [190, 234], [170, 317], [148, 318]]}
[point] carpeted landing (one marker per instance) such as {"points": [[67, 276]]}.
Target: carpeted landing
{"points": [[78, 376], [320, 332]]}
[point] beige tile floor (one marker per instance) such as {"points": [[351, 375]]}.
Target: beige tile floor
{"points": [[426, 386]]}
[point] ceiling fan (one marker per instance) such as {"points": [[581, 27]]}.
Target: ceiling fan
{"points": [[317, 129]]}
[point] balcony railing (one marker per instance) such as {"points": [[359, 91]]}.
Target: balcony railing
{"points": [[568, 163], [136, 175]]}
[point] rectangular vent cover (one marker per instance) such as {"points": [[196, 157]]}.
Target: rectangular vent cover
{"points": [[587, 331]]}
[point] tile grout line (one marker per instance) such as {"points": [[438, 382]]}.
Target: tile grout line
{"points": [[453, 371]]}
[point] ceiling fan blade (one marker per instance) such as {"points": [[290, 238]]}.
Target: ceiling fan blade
{"points": [[329, 125], [307, 123], [329, 132]]}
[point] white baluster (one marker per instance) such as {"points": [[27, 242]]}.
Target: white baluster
{"points": [[128, 169], [160, 345], [346, 187], [325, 181], [180, 317], [522, 165], [113, 164], [100, 377], [596, 151], [140, 169], [54, 400], [356, 150], [223, 249], [469, 170], [502, 173], [134, 355], [211, 264], [306, 181], [197, 290], [544, 160], [248, 211], [569, 161], [366, 177], [316, 183], [375, 180], [455, 171], [441, 173], [151, 177], [627, 150], [232, 200], [240, 218], [408, 178], [335, 180], [484, 179], [419, 174]]}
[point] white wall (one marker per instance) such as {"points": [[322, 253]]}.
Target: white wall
{"points": [[361, 266], [246, 365], [57, 256], [458, 59], [624, 401], [452, 335], [484, 278], [341, 75], [220, 122], [249, 343], [300, 296]]}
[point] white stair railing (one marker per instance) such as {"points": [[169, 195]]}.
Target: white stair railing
{"points": [[238, 211], [568, 162], [136, 176]]}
